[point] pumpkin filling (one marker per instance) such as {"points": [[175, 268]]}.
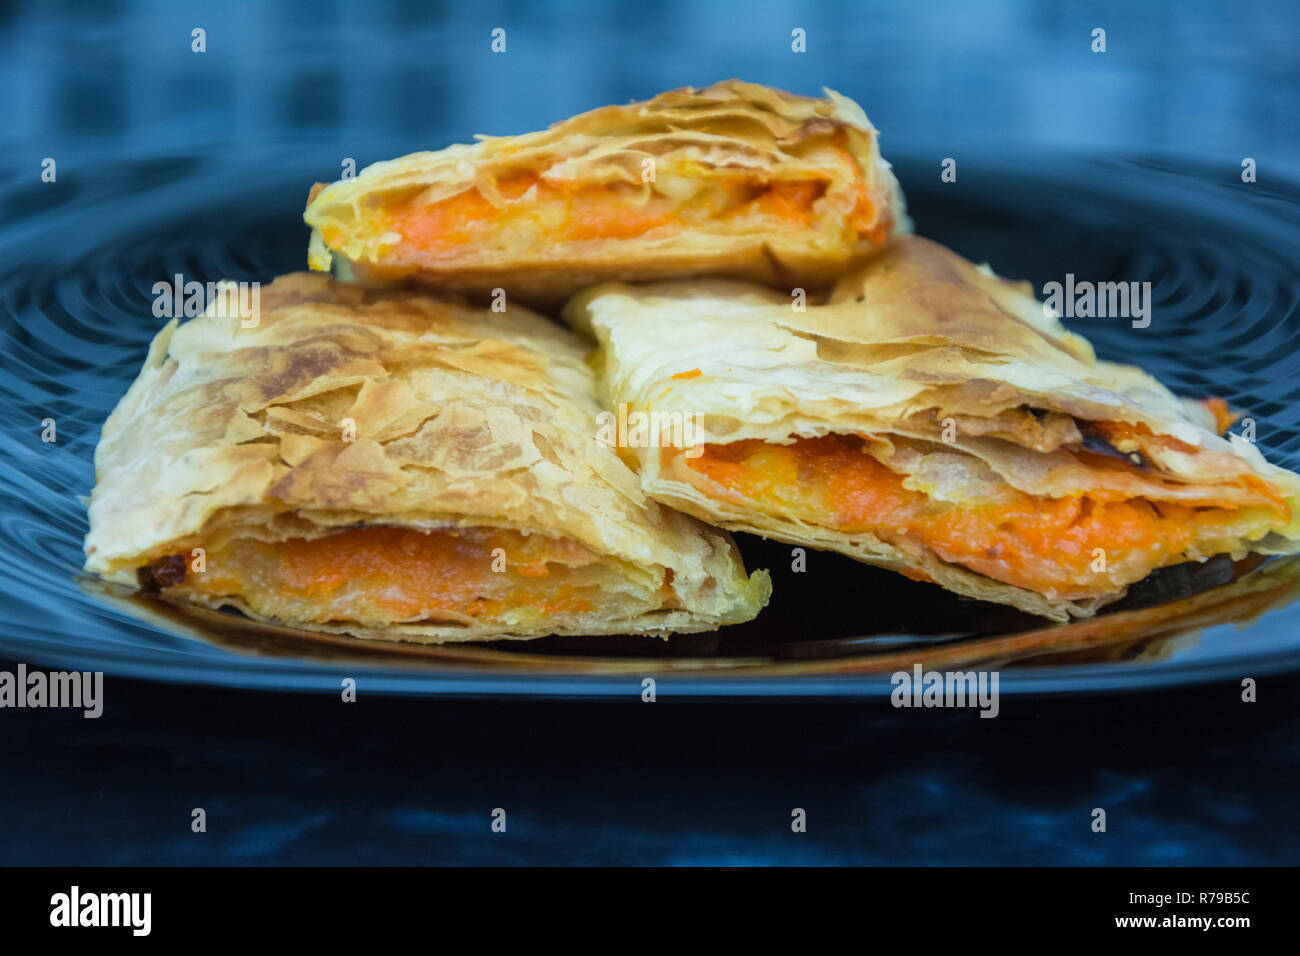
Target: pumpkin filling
{"points": [[531, 213], [526, 213], [386, 575], [1070, 548]]}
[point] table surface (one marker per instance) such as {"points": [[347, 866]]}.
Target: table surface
{"points": [[1186, 776]]}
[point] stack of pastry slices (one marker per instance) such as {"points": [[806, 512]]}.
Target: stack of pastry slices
{"points": [[405, 443]]}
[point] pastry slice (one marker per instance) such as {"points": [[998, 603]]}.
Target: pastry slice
{"points": [[395, 467], [737, 179], [932, 418]]}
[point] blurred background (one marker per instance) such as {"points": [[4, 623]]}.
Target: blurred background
{"points": [[1195, 78]]}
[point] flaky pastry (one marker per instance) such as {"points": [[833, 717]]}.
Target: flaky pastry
{"points": [[393, 466], [932, 418]]}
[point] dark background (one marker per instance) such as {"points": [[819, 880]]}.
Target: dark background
{"points": [[1188, 775], [1191, 776], [1185, 78]]}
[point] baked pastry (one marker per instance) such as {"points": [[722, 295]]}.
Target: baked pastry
{"points": [[737, 179], [932, 418], [394, 467]]}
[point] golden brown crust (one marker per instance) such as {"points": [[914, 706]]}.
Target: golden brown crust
{"points": [[731, 127], [914, 338], [461, 418]]}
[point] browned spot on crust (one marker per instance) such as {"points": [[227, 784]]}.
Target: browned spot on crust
{"points": [[163, 573]]}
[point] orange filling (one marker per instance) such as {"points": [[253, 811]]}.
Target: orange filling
{"points": [[615, 211], [385, 575], [1223, 416], [1049, 545]]}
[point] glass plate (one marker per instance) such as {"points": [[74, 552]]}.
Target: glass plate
{"points": [[80, 258]]}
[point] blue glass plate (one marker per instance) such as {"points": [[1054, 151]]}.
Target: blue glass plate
{"points": [[80, 258]]}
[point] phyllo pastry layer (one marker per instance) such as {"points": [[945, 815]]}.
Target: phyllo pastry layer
{"points": [[931, 418], [395, 467], [737, 179]]}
